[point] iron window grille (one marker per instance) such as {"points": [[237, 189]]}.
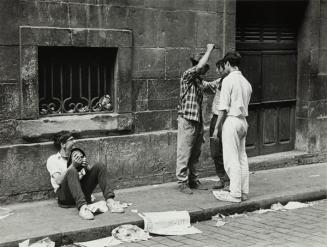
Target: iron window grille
{"points": [[74, 80]]}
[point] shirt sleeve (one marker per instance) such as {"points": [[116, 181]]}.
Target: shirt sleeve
{"points": [[212, 85], [52, 166], [225, 95], [190, 74]]}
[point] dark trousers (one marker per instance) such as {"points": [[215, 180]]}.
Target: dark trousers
{"points": [[216, 149], [73, 191]]}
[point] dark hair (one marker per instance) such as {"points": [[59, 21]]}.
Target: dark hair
{"points": [[60, 138], [69, 162], [233, 57], [220, 63]]}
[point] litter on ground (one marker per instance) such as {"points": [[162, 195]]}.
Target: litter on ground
{"points": [[101, 242], [130, 233], [169, 223], [46, 242]]}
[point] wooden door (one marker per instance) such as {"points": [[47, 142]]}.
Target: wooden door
{"points": [[266, 39]]}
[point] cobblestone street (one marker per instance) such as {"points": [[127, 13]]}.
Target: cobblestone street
{"points": [[298, 227]]}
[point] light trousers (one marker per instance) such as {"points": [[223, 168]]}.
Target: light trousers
{"points": [[235, 159], [189, 142]]}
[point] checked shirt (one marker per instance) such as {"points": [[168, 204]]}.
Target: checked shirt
{"points": [[192, 89]]}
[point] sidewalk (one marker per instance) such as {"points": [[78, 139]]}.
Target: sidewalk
{"points": [[40, 219]]}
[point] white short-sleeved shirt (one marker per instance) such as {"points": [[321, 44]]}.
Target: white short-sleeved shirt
{"points": [[235, 95], [56, 164]]}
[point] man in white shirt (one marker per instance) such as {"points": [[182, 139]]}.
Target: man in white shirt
{"points": [[234, 101], [73, 180]]}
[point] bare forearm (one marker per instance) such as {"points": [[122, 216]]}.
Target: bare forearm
{"points": [[203, 61], [220, 120]]}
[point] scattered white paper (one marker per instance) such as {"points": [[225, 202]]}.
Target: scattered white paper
{"points": [[277, 206], [130, 233], [237, 215], [263, 211], [220, 223], [25, 243], [295, 205], [102, 242], [46, 242], [135, 211], [169, 223], [314, 176]]}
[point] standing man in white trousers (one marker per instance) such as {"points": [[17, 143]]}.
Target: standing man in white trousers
{"points": [[234, 101]]}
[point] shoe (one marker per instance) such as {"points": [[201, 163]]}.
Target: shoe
{"points": [[115, 206], [85, 213], [245, 197], [219, 185], [98, 207], [197, 185], [184, 188], [227, 197], [226, 187]]}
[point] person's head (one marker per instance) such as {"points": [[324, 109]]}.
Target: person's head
{"points": [[75, 154], [195, 58], [64, 140], [232, 60], [220, 68]]}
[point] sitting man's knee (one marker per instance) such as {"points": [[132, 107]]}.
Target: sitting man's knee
{"points": [[100, 166]]}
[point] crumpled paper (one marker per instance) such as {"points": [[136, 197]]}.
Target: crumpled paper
{"points": [[130, 233]]}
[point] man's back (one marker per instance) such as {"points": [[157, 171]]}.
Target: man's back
{"points": [[236, 94]]}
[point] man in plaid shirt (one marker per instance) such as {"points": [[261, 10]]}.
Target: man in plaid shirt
{"points": [[190, 123]]}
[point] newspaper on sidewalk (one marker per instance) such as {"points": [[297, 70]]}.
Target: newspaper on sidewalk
{"points": [[169, 223], [102, 242]]}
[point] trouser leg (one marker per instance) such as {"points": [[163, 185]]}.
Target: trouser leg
{"points": [[70, 191], [244, 164], [195, 155], [185, 141], [98, 174], [231, 144], [216, 150]]}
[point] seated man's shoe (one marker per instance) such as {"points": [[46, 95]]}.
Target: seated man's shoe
{"points": [[245, 197], [98, 207], [197, 185], [227, 197], [85, 213], [115, 206], [184, 188], [219, 185]]}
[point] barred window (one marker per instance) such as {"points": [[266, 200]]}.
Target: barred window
{"points": [[76, 80]]}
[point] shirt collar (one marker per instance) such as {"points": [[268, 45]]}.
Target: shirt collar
{"points": [[236, 72]]}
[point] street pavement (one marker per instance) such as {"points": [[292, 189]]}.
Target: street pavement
{"points": [[41, 219], [297, 227]]}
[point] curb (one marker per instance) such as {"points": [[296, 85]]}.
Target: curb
{"points": [[197, 215]]}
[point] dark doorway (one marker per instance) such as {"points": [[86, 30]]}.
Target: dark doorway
{"points": [[266, 37]]}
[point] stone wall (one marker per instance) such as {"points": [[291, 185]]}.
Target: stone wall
{"points": [[138, 140], [311, 117]]}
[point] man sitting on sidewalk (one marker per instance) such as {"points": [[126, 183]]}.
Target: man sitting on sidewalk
{"points": [[74, 180]]}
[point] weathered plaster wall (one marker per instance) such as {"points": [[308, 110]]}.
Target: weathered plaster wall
{"points": [[311, 117], [164, 34]]}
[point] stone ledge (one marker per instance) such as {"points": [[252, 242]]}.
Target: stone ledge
{"points": [[84, 125]]}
